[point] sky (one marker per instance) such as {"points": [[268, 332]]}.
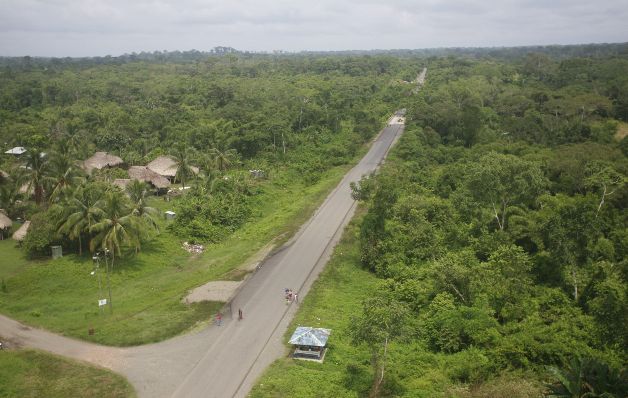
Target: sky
{"points": [[73, 28]]}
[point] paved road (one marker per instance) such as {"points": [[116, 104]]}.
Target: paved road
{"points": [[225, 361]]}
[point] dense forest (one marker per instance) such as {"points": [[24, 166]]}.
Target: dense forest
{"points": [[294, 117], [499, 231]]}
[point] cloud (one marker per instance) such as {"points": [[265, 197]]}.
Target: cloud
{"points": [[96, 27]]}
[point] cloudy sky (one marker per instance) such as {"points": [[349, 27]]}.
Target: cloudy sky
{"points": [[114, 27]]}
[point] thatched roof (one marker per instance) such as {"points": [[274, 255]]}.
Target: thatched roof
{"points": [[166, 166], [143, 173], [4, 174], [121, 182], [21, 232], [5, 221], [101, 160]]}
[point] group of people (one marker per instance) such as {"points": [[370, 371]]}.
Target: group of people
{"points": [[219, 317], [291, 296]]}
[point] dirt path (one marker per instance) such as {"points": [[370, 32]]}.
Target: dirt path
{"points": [[225, 361]]}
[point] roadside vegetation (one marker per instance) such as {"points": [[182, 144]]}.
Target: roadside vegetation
{"points": [[297, 122], [30, 373], [491, 258]]}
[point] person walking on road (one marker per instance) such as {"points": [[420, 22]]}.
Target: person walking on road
{"points": [[240, 317], [296, 298], [218, 318]]}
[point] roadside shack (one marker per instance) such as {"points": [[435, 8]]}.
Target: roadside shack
{"points": [[310, 343]]}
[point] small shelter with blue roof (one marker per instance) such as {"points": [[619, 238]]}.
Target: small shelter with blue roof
{"points": [[310, 343]]}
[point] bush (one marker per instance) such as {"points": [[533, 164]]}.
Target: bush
{"points": [[41, 235]]}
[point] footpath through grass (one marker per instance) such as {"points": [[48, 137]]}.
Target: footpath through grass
{"points": [[29, 373], [147, 289]]}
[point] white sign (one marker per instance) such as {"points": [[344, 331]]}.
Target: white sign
{"points": [[102, 302]]}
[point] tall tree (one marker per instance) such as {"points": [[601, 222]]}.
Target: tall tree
{"points": [[501, 181], [37, 169], [116, 228], [182, 156], [382, 320], [82, 214]]}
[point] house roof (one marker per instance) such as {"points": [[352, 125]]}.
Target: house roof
{"points": [[5, 221], [143, 173], [18, 150], [21, 232], [3, 174], [101, 160], [166, 166], [315, 337], [163, 165]]}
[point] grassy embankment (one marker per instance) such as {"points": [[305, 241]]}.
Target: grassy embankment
{"points": [[147, 288], [29, 373]]}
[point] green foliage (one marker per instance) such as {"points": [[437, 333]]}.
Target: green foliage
{"points": [[212, 217], [26, 373], [42, 233]]}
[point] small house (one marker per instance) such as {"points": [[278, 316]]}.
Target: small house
{"points": [[20, 234], [143, 173], [170, 215], [5, 224], [165, 166], [101, 160], [310, 343]]}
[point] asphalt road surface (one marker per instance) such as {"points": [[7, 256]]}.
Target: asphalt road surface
{"points": [[224, 361]]}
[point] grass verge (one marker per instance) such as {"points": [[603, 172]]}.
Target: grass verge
{"points": [[30, 373], [411, 370], [147, 289]]}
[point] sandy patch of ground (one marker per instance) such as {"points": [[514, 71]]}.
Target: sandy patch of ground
{"points": [[223, 290], [622, 131], [213, 291]]}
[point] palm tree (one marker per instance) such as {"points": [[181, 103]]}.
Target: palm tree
{"points": [[10, 188], [82, 214], [37, 168], [137, 191], [117, 228], [223, 159], [587, 378], [182, 157], [63, 175]]}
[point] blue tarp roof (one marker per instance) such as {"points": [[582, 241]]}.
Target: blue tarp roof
{"points": [[316, 337]]}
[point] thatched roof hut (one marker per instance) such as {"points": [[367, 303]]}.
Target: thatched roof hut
{"points": [[5, 224], [143, 173], [100, 160], [21, 232], [5, 221], [167, 167]]}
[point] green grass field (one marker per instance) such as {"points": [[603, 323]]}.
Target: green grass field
{"points": [[61, 295], [29, 373]]}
